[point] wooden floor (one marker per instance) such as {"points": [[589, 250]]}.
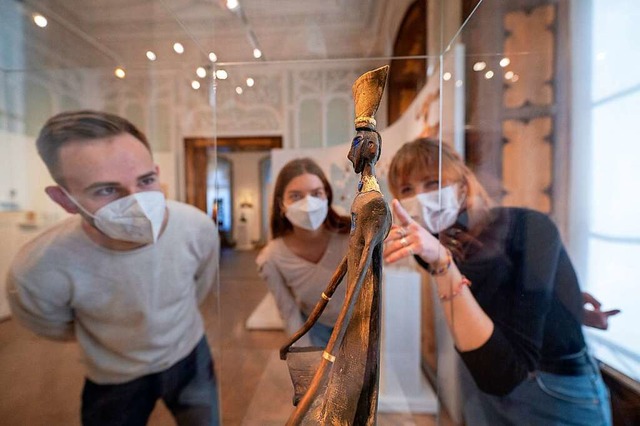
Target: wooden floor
{"points": [[42, 380]]}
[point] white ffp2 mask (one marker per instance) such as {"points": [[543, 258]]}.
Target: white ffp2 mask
{"points": [[135, 218], [433, 213], [308, 213]]}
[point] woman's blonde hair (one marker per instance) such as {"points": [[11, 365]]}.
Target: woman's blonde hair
{"points": [[423, 155]]}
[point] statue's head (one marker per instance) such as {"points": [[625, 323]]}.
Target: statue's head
{"points": [[367, 93], [365, 149]]}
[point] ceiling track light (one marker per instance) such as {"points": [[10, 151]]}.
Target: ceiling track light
{"points": [[253, 41], [236, 9]]}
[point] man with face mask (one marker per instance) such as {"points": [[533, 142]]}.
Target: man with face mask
{"points": [[123, 277]]}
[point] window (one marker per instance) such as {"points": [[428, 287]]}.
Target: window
{"points": [[605, 240]]}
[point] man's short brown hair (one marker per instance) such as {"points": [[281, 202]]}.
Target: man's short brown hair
{"points": [[79, 126]]}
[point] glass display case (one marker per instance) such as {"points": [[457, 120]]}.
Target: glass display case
{"points": [[536, 97]]}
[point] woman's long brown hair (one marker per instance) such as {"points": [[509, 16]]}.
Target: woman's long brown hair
{"points": [[280, 225]]}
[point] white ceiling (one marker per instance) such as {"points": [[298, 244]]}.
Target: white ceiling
{"points": [[285, 30]]}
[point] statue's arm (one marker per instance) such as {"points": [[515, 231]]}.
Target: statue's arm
{"points": [[339, 273]]}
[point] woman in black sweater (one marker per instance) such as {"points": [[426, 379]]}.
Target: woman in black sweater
{"points": [[508, 290]]}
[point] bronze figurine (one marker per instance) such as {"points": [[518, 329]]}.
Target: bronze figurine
{"points": [[339, 385]]}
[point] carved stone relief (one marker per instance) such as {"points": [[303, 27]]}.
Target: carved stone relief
{"points": [[531, 57], [526, 164], [528, 107]]}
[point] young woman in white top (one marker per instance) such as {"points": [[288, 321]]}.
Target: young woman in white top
{"points": [[309, 240]]}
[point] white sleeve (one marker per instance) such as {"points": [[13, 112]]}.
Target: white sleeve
{"points": [[287, 306], [50, 317]]}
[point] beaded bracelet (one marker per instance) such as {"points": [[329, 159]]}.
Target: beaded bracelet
{"points": [[436, 272], [464, 282]]}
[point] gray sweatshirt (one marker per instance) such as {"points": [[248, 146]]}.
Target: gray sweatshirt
{"points": [[132, 312], [297, 284]]}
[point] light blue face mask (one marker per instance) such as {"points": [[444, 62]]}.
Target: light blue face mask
{"points": [[136, 218], [434, 212]]}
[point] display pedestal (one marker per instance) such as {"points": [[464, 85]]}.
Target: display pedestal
{"points": [[403, 387], [243, 239], [265, 316]]}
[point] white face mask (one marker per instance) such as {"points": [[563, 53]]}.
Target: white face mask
{"points": [[433, 214], [135, 218], [308, 213]]}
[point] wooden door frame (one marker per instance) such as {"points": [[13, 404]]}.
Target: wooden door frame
{"points": [[196, 158]]}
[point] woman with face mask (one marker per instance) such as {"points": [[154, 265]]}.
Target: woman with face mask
{"points": [[309, 241], [508, 291]]}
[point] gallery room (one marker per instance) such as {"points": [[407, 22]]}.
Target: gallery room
{"points": [[269, 212]]}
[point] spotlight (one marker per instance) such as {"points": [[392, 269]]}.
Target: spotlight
{"points": [[479, 66], [40, 20]]}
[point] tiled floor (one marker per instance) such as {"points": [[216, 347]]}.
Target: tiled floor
{"points": [[42, 380]]}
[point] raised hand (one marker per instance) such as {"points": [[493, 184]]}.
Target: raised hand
{"points": [[407, 238]]}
